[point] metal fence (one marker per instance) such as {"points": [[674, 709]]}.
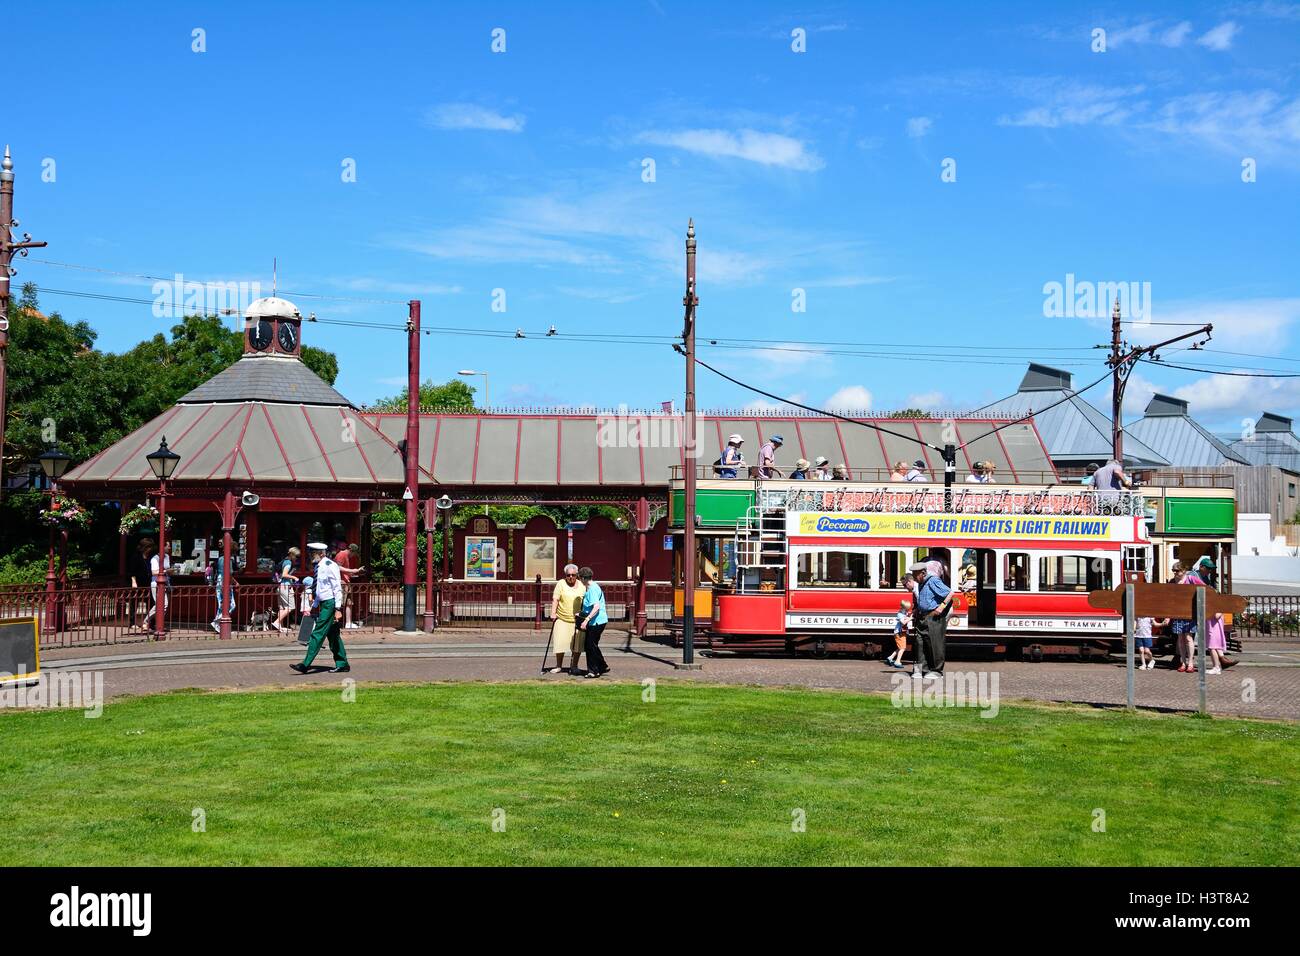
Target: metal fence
{"points": [[81, 615], [1269, 615]]}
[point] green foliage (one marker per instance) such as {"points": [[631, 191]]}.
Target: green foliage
{"points": [[61, 388], [909, 413], [453, 393]]}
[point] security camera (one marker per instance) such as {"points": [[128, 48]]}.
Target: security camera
{"points": [[249, 499], [444, 503]]}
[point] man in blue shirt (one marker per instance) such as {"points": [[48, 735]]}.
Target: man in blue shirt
{"points": [[933, 603], [594, 618]]}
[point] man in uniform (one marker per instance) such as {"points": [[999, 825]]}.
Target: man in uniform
{"points": [[329, 594]]}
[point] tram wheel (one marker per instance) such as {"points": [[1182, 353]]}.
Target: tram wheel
{"points": [[819, 650], [1036, 653]]}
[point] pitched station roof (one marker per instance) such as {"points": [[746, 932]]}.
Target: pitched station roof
{"points": [[638, 450], [1273, 443], [1176, 436], [1074, 431], [266, 378]]}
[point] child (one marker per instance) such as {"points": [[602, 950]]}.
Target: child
{"points": [[902, 621], [1142, 640]]}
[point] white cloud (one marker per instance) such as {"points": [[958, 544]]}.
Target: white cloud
{"points": [[766, 149], [919, 126], [1219, 38], [762, 406], [471, 116], [927, 401], [1175, 35], [1233, 396], [850, 398], [787, 358], [1076, 104]]}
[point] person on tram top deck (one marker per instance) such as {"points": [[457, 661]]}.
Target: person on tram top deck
{"points": [[899, 472], [977, 474], [821, 468], [800, 469], [917, 472], [767, 457], [731, 459]]}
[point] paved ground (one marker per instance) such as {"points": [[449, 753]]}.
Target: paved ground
{"points": [[1265, 684]]}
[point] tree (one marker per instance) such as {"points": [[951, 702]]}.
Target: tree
{"points": [[909, 413], [62, 389], [453, 393]]}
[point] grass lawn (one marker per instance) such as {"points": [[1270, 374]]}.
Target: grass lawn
{"points": [[593, 775]]}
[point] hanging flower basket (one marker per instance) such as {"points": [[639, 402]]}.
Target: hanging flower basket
{"points": [[65, 512], [141, 515]]}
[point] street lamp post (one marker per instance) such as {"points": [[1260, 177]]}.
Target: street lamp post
{"points": [[487, 397], [54, 463], [163, 463]]}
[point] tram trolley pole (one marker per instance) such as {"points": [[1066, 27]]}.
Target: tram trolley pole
{"points": [[949, 473]]}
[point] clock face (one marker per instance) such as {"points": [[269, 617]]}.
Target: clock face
{"points": [[288, 337], [259, 336]]}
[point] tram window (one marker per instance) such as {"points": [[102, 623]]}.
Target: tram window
{"points": [[893, 569], [833, 569], [1015, 571], [942, 555], [1074, 572]]}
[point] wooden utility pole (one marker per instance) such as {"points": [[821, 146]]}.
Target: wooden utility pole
{"points": [[690, 563], [411, 456], [1122, 363], [7, 249]]}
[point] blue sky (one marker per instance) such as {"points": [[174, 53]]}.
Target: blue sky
{"points": [[820, 171]]}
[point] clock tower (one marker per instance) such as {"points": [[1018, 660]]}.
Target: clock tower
{"points": [[272, 326]]}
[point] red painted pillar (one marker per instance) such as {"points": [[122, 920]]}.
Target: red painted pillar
{"points": [[227, 569], [160, 579], [430, 517], [642, 529]]}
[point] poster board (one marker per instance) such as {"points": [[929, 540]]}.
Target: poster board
{"points": [[539, 558], [480, 558], [20, 654]]}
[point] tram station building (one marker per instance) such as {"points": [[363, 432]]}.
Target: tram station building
{"points": [[321, 467]]}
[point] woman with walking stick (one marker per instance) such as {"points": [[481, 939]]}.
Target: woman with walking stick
{"points": [[565, 636]]}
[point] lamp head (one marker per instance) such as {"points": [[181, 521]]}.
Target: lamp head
{"points": [[54, 462], [163, 461]]}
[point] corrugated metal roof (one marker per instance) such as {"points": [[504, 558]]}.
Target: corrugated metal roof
{"points": [[1181, 440], [639, 450], [252, 442], [265, 378], [1269, 447], [1073, 431]]}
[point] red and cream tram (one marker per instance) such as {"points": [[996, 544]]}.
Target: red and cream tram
{"points": [[823, 566]]}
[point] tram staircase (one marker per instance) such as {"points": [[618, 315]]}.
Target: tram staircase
{"points": [[761, 548]]}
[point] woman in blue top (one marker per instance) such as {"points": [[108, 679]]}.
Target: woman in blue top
{"points": [[594, 619]]}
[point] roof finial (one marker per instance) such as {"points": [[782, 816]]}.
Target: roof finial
{"points": [[1115, 311], [8, 163], [275, 275]]}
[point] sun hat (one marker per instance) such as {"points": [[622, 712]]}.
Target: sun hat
{"points": [[821, 460], [734, 439], [801, 463], [317, 546], [777, 439]]}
